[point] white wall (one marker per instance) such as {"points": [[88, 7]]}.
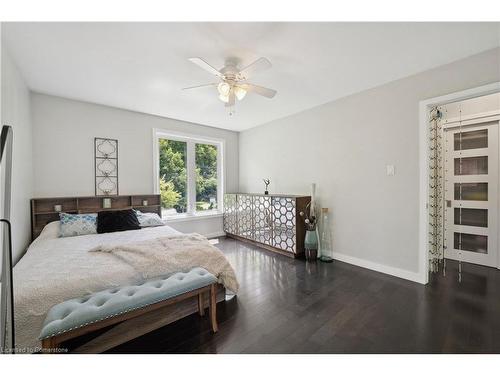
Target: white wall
{"points": [[345, 145], [15, 100], [64, 132]]}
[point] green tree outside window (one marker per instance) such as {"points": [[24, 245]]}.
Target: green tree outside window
{"points": [[173, 175]]}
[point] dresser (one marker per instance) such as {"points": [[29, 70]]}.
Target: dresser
{"points": [[269, 221]]}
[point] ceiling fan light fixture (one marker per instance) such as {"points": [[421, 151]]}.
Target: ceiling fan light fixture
{"points": [[240, 92], [224, 98], [232, 84], [224, 89]]}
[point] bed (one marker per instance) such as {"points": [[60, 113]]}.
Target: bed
{"points": [[56, 269]]}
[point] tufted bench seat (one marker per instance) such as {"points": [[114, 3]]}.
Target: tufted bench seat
{"points": [[79, 316]]}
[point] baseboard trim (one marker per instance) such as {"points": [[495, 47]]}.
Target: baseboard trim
{"points": [[215, 234], [393, 271]]}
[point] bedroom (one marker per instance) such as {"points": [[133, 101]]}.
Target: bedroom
{"points": [[250, 187]]}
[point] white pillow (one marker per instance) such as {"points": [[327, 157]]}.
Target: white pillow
{"points": [[149, 219], [51, 230]]}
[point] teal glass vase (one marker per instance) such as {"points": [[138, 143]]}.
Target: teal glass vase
{"points": [[311, 245]]}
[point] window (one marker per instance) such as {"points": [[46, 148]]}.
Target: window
{"points": [[188, 174], [173, 176], [206, 177]]}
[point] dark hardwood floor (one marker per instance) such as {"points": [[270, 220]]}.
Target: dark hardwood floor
{"points": [[290, 306]]}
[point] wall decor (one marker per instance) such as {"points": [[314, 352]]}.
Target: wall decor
{"points": [[106, 166]]}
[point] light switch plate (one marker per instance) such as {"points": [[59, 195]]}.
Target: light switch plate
{"points": [[390, 170]]}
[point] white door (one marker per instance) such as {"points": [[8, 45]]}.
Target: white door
{"points": [[471, 194]]}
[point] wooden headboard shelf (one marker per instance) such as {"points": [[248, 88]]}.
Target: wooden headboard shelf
{"points": [[42, 209]]}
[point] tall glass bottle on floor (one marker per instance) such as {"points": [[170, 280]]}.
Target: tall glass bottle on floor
{"points": [[325, 239]]}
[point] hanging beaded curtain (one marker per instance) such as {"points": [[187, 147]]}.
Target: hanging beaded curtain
{"points": [[436, 190]]}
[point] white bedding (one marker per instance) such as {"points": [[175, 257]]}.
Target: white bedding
{"points": [[56, 269]]}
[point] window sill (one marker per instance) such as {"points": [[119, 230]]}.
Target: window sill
{"points": [[192, 217]]}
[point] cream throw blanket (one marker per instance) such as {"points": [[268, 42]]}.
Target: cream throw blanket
{"points": [[175, 253]]}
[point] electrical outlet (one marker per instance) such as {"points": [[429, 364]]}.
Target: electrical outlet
{"points": [[391, 171]]}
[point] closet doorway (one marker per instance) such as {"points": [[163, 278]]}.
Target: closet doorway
{"points": [[471, 191], [444, 120]]}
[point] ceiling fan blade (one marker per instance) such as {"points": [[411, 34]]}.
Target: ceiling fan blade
{"points": [[206, 66], [232, 99], [257, 66], [200, 86], [264, 91]]}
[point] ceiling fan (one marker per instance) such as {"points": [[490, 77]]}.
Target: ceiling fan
{"points": [[233, 83]]}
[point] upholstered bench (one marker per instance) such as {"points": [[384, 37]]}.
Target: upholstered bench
{"points": [[79, 316]]}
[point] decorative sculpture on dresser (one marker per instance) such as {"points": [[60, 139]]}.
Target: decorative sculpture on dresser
{"points": [[266, 182]]}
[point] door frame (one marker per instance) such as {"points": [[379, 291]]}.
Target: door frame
{"points": [[424, 112]]}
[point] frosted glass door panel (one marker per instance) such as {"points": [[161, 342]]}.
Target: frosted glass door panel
{"points": [[475, 217], [471, 242], [471, 140], [473, 191], [471, 166]]}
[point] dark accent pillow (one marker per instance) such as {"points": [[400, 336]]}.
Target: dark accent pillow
{"points": [[116, 221]]}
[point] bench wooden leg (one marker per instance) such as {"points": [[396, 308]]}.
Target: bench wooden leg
{"points": [[201, 305], [213, 308], [48, 344]]}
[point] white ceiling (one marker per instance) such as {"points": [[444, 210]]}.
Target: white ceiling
{"points": [[143, 66]]}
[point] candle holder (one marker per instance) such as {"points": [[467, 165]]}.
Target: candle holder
{"points": [[106, 203]]}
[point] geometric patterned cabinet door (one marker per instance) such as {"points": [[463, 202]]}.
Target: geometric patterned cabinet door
{"points": [[244, 216], [284, 219], [269, 221], [263, 219], [230, 221]]}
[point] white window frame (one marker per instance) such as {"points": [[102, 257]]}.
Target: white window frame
{"points": [[191, 140]]}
